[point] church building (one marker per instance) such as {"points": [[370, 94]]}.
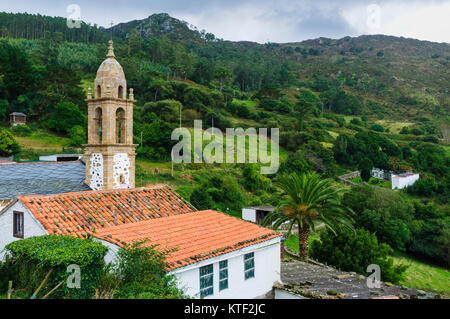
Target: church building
{"points": [[215, 256]]}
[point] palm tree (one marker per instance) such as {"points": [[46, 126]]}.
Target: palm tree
{"points": [[308, 199]]}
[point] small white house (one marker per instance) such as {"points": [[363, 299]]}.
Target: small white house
{"points": [[404, 180], [256, 214]]}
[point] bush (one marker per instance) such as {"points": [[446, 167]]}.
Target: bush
{"points": [[32, 258], [354, 251], [141, 272], [377, 128], [21, 130], [201, 199], [382, 211], [77, 136], [425, 186], [8, 145]]}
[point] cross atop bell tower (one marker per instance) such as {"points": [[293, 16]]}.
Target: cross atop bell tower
{"points": [[110, 152]]}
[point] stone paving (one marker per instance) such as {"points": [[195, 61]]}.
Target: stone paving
{"points": [[322, 282]]}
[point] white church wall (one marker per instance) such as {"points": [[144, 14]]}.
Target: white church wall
{"points": [[267, 272], [31, 226]]}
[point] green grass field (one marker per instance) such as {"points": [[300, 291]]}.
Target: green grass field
{"points": [[423, 276]]}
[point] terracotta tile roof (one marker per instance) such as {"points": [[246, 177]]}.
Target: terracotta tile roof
{"points": [[84, 212], [197, 236]]}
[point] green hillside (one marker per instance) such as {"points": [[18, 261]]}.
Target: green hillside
{"points": [[337, 103]]}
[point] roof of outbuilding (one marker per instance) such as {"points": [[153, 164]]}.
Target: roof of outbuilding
{"points": [[85, 212], [196, 236], [41, 178], [17, 114]]}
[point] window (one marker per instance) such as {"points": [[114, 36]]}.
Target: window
{"points": [[249, 264], [98, 125], [223, 275], [120, 92], [18, 224], [99, 92], [120, 126], [206, 281]]}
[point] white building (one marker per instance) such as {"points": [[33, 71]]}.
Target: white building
{"points": [[404, 180], [216, 255], [256, 214]]}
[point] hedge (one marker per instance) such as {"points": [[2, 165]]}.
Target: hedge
{"points": [[32, 258]]}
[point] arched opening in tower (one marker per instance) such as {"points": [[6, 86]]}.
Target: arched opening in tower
{"points": [[99, 91], [98, 125], [120, 126], [120, 93]]}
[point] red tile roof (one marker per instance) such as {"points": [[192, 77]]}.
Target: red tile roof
{"points": [[196, 236], [84, 212]]}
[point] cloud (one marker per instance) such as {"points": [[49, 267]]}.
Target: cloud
{"points": [[270, 20]]}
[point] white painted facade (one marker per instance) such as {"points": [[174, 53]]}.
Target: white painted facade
{"points": [[249, 214], [399, 181], [267, 271], [31, 226]]}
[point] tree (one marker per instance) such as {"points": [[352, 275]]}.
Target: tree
{"points": [[365, 168], [77, 136], [222, 74], [308, 199], [354, 251], [307, 102], [8, 145], [201, 199], [65, 117]]}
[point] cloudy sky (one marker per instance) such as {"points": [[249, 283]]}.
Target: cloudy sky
{"points": [[268, 20]]}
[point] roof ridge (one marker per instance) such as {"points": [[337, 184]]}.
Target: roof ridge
{"points": [[22, 163], [91, 192]]}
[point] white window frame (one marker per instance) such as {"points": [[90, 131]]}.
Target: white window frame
{"points": [[207, 290], [223, 274], [249, 259]]}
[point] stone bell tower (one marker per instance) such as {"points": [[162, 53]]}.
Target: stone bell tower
{"points": [[110, 152]]}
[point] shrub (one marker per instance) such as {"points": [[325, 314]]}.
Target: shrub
{"points": [[141, 272], [32, 258], [77, 136], [354, 251], [21, 130], [425, 186], [377, 128], [8, 145], [365, 167], [201, 199]]}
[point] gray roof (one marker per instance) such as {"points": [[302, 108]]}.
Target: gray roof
{"points": [[317, 280], [262, 208], [18, 114], [41, 178]]}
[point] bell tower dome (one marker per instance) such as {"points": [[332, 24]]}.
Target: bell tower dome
{"points": [[110, 152]]}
